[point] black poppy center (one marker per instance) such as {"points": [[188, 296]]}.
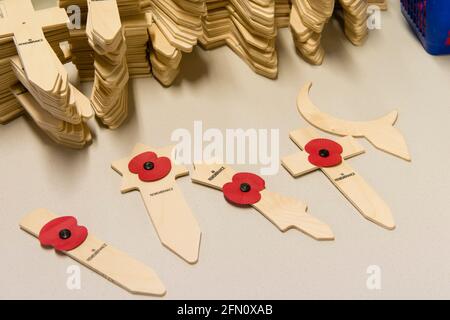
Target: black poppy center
{"points": [[65, 234], [149, 165], [324, 153], [245, 187]]}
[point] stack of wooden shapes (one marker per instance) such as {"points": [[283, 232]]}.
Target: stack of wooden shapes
{"points": [[216, 24], [308, 18], [135, 29], [82, 55], [110, 93], [247, 27], [10, 108], [282, 13], [72, 6], [57, 107], [355, 15], [164, 57], [307, 22], [175, 27], [134, 22], [132, 7], [382, 4]]}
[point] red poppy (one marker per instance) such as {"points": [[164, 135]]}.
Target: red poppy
{"points": [[244, 189], [324, 152], [63, 234], [150, 167]]}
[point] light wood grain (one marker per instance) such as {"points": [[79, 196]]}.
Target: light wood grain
{"points": [[347, 180], [381, 132], [284, 212], [113, 264], [172, 218]]}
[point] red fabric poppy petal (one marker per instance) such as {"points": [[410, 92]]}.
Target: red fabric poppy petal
{"points": [[136, 164], [162, 167], [233, 194], [334, 160], [49, 234], [331, 161], [314, 146], [255, 181], [333, 147]]}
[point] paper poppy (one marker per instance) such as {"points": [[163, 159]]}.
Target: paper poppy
{"points": [[63, 234], [150, 167], [324, 152], [244, 189]]}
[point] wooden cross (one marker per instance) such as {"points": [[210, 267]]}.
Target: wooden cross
{"points": [[26, 25], [347, 180], [172, 218], [284, 212]]}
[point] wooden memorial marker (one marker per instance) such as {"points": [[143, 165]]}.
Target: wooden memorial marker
{"points": [[56, 106], [26, 26], [153, 173], [74, 241], [347, 180], [381, 132], [285, 213]]}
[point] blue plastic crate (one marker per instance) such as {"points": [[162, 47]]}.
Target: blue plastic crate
{"points": [[431, 21]]}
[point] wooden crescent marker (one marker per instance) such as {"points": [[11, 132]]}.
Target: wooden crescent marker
{"points": [[172, 218], [104, 259], [347, 180], [285, 213], [381, 132]]}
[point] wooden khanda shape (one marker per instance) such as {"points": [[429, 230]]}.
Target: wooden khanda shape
{"points": [[347, 180], [381, 132], [284, 212], [63, 234], [154, 173]]}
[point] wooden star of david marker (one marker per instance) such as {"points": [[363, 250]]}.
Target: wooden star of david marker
{"points": [[102, 258], [172, 218], [26, 26], [347, 180], [285, 213]]}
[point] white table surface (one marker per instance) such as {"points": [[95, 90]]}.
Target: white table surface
{"points": [[242, 254]]}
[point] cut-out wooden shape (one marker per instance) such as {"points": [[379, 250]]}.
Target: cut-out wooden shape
{"points": [[25, 25], [381, 132], [104, 31], [33, 61], [102, 258], [172, 218], [347, 180], [284, 212]]}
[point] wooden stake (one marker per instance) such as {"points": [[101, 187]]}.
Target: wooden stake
{"points": [[104, 259], [285, 213], [172, 218], [347, 180]]}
